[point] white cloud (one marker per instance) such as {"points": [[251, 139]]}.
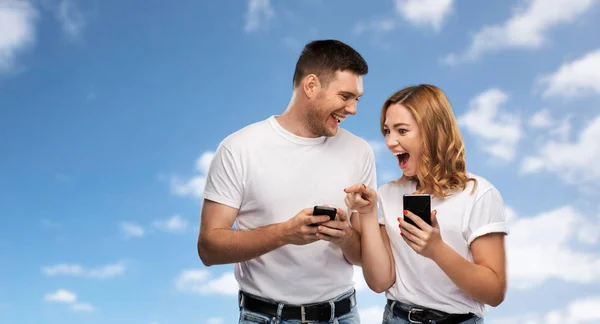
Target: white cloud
{"points": [[175, 224], [575, 161], [378, 146], [577, 78], [419, 13], [259, 13], [541, 119], [430, 13], [534, 256], [17, 23], [215, 320], [103, 272], [527, 28], [194, 186], [61, 296], [67, 297], [498, 132], [585, 310], [132, 230], [199, 281], [71, 19], [371, 315]]}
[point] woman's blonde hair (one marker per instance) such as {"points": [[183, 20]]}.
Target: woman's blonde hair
{"points": [[442, 167]]}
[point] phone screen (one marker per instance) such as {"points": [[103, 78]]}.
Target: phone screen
{"points": [[420, 205]]}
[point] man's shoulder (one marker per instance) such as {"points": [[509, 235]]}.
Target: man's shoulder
{"points": [[246, 135], [350, 139]]}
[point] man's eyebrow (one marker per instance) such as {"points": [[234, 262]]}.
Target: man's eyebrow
{"points": [[348, 93]]}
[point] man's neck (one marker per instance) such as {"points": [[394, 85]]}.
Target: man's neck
{"points": [[293, 121]]}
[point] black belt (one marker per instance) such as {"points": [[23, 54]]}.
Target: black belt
{"points": [[425, 315], [313, 312]]}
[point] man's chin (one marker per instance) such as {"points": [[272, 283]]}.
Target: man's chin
{"points": [[330, 132]]}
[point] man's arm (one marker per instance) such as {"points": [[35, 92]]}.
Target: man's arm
{"points": [[219, 244], [351, 247]]}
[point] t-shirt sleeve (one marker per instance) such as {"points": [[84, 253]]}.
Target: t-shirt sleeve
{"points": [[369, 172], [381, 212], [224, 179], [487, 216]]}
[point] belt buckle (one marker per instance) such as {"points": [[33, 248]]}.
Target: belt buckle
{"points": [[302, 314], [411, 312]]}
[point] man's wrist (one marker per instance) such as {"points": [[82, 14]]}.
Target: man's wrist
{"points": [[350, 236], [280, 233]]}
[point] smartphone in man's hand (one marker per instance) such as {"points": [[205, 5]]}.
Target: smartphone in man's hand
{"points": [[324, 210]]}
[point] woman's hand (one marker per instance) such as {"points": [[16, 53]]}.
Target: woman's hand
{"points": [[361, 198], [427, 240]]}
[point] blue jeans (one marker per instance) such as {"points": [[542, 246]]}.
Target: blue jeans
{"points": [[248, 317], [390, 318]]}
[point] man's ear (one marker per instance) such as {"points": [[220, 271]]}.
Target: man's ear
{"points": [[311, 85]]}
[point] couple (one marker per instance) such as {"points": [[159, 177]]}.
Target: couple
{"points": [[295, 267]]}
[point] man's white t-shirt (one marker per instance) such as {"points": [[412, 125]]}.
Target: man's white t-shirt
{"points": [[462, 218], [270, 175]]}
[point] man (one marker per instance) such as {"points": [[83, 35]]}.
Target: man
{"points": [[268, 176]]}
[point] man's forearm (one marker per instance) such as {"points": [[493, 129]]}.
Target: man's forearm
{"points": [[351, 248], [224, 246]]}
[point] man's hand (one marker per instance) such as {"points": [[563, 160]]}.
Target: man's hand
{"points": [[361, 199], [298, 229], [336, 231]]}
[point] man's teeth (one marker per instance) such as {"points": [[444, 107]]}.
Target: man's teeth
{"points": [[337, 118]]}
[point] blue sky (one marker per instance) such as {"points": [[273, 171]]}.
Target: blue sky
{"points": [[110, 113]]}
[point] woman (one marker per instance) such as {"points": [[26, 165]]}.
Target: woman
{"points": [[448, 271]]}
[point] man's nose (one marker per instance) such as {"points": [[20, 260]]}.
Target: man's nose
{"points": [[351, 108]]}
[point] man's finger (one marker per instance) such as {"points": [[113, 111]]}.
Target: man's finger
{"points": [[342, 215], [316, 219], [330, 231]]}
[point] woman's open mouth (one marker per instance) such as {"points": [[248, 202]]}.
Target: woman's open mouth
{"points": [[403, 159]]}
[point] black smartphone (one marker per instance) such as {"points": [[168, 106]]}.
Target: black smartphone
{"points": [[418, 204], [323, 210]]}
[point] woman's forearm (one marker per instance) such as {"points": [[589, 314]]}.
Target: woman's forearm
{"points": [[377, 261], [477, 281]]}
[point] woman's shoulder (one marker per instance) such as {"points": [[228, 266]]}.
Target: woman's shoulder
{"points": [[480, 186]]}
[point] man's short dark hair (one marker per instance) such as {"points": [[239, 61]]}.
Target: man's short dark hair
{"points": [[325, 57]]}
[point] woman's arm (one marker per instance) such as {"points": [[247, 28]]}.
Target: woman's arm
{"points": [[376, 253], [484, 279]]}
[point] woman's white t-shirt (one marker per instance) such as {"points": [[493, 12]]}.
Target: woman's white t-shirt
{"points": [[462, 217]]}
